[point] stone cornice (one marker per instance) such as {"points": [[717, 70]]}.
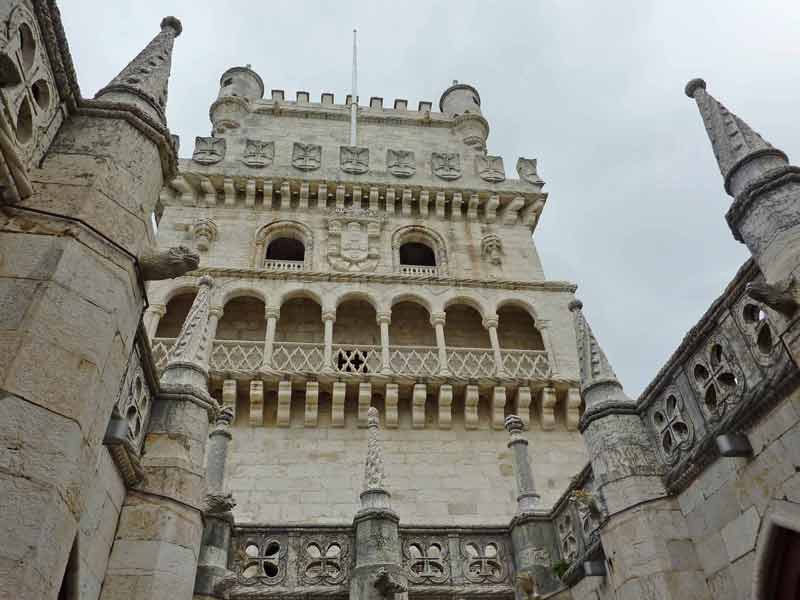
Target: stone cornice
{"points": [[769, 181], [387, 278]]}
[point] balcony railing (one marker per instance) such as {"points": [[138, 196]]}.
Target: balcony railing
{"points": [[418, 270], [362, 359], [284, 265]]}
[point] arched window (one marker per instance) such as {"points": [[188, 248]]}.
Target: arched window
{"points": [[418, 254], [284, 248]]}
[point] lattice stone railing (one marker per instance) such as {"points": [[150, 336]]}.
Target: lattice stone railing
{"points": [[298, 357], [471, 362], [312, 561], [356, 359], [414, 360], [418, 270], [528, 364], [409, 361], [284, 265]]}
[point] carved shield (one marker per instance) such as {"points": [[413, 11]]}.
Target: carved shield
{"points": [[490, 168], [446, 165], [353, 159], [258, 153], [355, 242], [208, 150], [526, 168], [306, 157], [400, 163]]}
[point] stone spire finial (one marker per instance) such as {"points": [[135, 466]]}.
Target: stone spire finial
{"points": [[594, 366], [733, 141], [143, 83], [189, 356]]}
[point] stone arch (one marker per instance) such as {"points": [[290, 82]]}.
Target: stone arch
{"points": [[358, 295], [238, 290], [518, 303], [780, 520], [464, 324], [468, 301], [423, 235], [293, 293], [287, 229], [412, 297], [169, 288]]}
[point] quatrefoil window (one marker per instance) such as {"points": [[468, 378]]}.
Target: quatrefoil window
{"points": [[323, 563], [23, 77], [263, 563], [718, 378], [569, 543], [426, 562], [674, 430], [483, 562], [756, 320]]}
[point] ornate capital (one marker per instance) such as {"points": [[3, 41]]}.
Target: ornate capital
{"points": [[157, 309], [216, 311], [490, 322], [271, 312], [438, 319], [329, 315], [384, 317]]}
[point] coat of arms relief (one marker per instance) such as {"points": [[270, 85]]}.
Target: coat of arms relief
{"points": [[208, 150], [258, 153], [400, 163], [306, 157], [354, 159], [490, 168], [353, 237], [446, 165]]}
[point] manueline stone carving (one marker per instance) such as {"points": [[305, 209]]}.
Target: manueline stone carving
{"points": [[400, 163], [446, 165], [388, 585], [675, 430], [258, 153], [490, 168], [306, 157], [208, 150], [323, 560], [353, 241], [781, 296], [526, 169], [717, 376], [219, 503], [492, 249], [204, 231], [168, 264], [373, 467], [353, 159], [426, 560]]}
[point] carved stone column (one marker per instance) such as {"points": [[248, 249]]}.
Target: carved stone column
{"points": [[328, 319], [384, 319], [532, 535], [272, 315], [152, 317], [491, 323], [378, 573], [213, 560], [437, 320], [214, 315]]}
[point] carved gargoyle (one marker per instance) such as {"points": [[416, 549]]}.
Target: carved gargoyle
{"points": [[387, 585], [781, 296], [168, 264], [526, 583], [219, 503], [590, 502]]}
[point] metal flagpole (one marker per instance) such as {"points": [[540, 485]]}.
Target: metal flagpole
{"points": [[354, 96]]}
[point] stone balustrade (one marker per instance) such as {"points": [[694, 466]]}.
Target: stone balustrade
{"points": [[419, 270], [284, 265]]}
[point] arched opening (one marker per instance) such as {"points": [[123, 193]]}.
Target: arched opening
{"points": [[463, 328], [284, 248], [516, 329], [784, 580], [299, 337], [243, 320], [417, 254], [412, 341], [177, 310], [356, 338]]}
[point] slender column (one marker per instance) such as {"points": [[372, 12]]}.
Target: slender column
{"points": [[491, 323], [544, 329], [527, 498], [384, 318], [214, 315], [271, 315], [152, 317], [328, 318], [437, 320], [218, 442]]}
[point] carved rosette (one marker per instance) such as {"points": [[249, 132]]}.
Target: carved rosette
{"points": [[426, 560], [526, 169], [484, 560], [400, 163], [258, 153], [490, 168], [717, 376], [306, 157], [674, 429], [353, 240], [323, 560], [208, 150], [353, 159], [446, 165]]}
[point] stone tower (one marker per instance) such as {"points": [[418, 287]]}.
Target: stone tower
{"points": [[399, 274]]}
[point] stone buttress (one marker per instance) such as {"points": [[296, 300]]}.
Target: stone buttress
{"points": [[69, 244]]}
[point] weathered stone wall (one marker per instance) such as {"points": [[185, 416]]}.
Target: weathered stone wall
{"points": [[314, 475]]}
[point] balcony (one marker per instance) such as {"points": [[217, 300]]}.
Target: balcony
{"points": [[284, 265], [418, 270]]}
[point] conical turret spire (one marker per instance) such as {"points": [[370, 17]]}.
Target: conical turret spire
{"points": [[595, 370], [733, 141], [143, 83]]}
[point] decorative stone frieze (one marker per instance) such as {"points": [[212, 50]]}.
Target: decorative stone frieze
{"points": [[446, 165], [306, 157], [208, 150], [353, 159], [400, 163], [490, 168], [258, 153]]}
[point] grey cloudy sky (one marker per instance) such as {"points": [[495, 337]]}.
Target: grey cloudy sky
{"points": [[594, 90]]}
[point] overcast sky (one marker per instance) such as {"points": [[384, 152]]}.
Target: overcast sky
{"points": [[594, 90]]}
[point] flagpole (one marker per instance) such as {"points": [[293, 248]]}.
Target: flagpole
{"points": [[354, 95]]}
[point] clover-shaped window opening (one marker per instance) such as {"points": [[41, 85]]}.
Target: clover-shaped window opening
{"points": [[484, 562], [719, 383], [569, 545], [674, 431], [25, 97], [322, 564], [259, 564], [428, 562], [756, 318]]}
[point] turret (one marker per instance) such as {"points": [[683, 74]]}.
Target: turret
{"points": [[463, 102], [242, 82]]}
